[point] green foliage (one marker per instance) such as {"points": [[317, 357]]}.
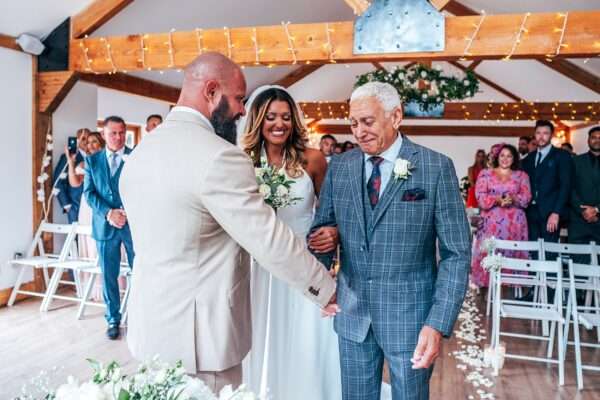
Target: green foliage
{"points": [[439, 88]]}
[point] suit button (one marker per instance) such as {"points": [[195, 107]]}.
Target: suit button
{"points": [[370, 280], [362, 248]]}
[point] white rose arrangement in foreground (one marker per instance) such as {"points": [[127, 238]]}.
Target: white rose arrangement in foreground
{"points": [[274, 186], [154, 380]]}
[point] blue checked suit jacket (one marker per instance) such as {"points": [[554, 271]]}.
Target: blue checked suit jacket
{"points": [[390, 278]]}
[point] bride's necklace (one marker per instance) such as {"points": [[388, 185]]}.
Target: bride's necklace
{"points": [[263, 153]]}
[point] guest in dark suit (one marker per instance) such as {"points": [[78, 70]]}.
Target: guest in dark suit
{"points": [[549, 170], [585, 194], [69, 197], [110, 228]]}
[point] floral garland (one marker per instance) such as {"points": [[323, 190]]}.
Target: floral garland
{"points": [[43, 177], [423, 85]]}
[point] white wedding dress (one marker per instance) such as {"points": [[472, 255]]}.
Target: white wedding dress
{"points": [[295, 353]]}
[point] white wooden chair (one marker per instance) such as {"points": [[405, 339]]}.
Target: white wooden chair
{"points": [[513, 279], [43, 259], [588, 316], [94, 274], [75, 263], [533, 311]]}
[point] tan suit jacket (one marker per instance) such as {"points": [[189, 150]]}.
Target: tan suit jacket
{"points": [[195, 213]]}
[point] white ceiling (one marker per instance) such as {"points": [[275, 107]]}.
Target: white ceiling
{"points": [[525, 78]]}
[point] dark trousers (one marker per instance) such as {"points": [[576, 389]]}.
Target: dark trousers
{"points": [[538, 229]]}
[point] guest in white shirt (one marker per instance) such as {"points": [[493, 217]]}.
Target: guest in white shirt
{"points": [[327, 146]]}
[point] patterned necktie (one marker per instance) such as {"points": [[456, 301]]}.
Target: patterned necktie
{"points": [[113, 164], [374, 183]]}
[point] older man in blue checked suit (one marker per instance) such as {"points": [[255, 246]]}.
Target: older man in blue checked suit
{"points": [[391, 201], [110, 228]]}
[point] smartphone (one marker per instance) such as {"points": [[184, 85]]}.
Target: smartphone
{"points": [[72, 144]]}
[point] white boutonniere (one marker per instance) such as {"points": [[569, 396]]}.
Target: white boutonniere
{"points": [[402, 169]]}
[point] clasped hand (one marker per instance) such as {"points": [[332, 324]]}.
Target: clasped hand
{"points": [[117, 218]]}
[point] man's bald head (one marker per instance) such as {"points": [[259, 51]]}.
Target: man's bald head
{"points": [[215, 86]]}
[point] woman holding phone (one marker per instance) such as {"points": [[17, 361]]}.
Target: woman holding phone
{"points": [[502, 193]]}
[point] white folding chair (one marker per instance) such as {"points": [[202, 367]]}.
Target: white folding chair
{"points": [[532, 311], [75, 263], [95, 272], [43, 259], [512, 279], [588, 316]]}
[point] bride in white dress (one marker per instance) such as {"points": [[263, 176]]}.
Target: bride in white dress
{"points": [[294, 350]]}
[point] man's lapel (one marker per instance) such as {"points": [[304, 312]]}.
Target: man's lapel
{"points": [[408, 151], [356, 170]]}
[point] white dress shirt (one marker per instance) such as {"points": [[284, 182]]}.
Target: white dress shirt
{"points": [[387, 166], [543, 151], [119, 154]]}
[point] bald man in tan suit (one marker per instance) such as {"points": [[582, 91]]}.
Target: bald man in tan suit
{"points": [[194, 210]]}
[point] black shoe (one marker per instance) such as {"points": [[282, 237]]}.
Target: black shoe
{"points": [[527, 297], [113, 332]]}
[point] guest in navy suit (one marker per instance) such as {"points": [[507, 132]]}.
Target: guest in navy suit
{"points": [[110, 228], [69, 197], [549, 170]]}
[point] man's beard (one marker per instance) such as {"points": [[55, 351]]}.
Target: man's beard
{"points": [[224, 124]]}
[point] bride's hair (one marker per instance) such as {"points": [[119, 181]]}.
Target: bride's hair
{"points": [[253, 141]]}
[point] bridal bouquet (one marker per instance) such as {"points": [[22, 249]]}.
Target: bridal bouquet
{"points": [[154, 380], [274, 186]]}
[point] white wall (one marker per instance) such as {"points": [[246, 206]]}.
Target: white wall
{"points": [[78, 110], [15, 174], [133, 109]]}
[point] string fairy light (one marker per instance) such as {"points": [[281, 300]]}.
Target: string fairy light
{"points": [[199, 40], [473, 36], [290, 40], [328, 45], [228, 36], [170, 51], [109, 55], [256, 49], [562, 34], [88, 62], [522, 30], [143, 49]]}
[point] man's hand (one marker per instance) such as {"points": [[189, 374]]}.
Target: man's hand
{"points": [[331, 309], [323, 240], [117, 218], [428, 348], [552, 224], [589, 213]]}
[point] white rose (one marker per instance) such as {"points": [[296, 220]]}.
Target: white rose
{"points": [[282, 191], [423, 74], [265, 190], [161, 376], [401, 76], [91, 391], [41, 192], [401, 168], [424, 96], [258, 172], [466, 82], [40, 179], [68, 391]]}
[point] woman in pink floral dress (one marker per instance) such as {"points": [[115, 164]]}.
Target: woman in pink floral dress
{"points": [[503, 193]]}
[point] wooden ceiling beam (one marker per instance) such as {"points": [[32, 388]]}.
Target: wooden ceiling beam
{"points": [[478, 111], [574, 72], [565, 67], [440, 130], [298, 74], [488, 82], [52, 88], [474, 64], [95, 15], [311, 44], [9, 42], [440, 4], [134, 85]]}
